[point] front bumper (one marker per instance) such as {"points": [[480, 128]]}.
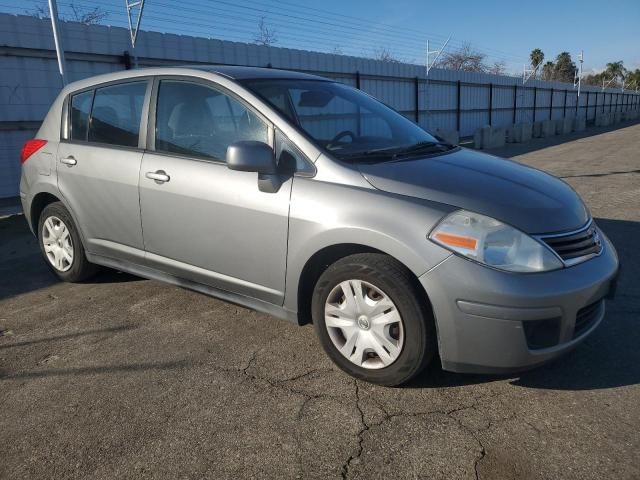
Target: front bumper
{"points": [[490, 321]]}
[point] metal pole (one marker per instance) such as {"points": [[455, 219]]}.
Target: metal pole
{"points": [[458, 104], [417, 104], [490, 104], [515, 102], [580, 74], [53, 11], [551, 105], [535, 101], [564, 110]]}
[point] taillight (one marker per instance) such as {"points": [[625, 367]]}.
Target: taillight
{"points": [[30, 147]]}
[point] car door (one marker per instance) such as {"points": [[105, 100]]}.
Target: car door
{"points": [[202, 221], [98, 165]]}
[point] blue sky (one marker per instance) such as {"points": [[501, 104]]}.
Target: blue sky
{"points": [[504, 30]]}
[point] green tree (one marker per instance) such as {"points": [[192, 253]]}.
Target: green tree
{"points": [[547, 71], [617, 71], [537, 57], [564, 69], [633, 79]]}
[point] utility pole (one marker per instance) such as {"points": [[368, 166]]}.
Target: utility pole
{"points": [[429, 66], [580, 72], [53, 12]]}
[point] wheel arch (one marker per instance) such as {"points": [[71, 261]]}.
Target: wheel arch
{"points": [[317, 263]]}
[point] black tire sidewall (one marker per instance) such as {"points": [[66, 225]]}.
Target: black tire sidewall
{"points": [[419, 345], [80, 267]]}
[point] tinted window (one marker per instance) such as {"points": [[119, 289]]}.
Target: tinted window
{"points": [[343, 120], [115, 117], [80, 109], [290, 158], [197, 120]]}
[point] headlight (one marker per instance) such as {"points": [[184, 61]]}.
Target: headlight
{"points": [[493, 243]]}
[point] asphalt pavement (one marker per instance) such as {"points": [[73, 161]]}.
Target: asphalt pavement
{"points": [[122, 377]]}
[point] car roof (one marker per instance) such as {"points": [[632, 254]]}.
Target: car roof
{"points": [[237, 72]]}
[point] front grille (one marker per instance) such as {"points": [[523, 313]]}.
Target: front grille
{"points": [[576, 244], [586, 317]]}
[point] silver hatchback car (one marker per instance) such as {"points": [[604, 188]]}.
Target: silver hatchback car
{"points": [[310, 200]]}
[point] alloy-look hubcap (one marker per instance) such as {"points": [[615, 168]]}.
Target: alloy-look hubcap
{"points": [[364, 324], [57, 243]]}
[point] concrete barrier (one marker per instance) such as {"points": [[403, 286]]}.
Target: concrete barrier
{"points": [[449, 136], [488, 137], [617, 117], [602, 120], [481, 137], [564, 126], [579, 124], [537, 129], [548, 128], [520, 133]]}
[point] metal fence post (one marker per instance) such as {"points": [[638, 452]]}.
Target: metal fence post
{"points": [[551, 105], [564, 109], [490, 104], [535, 101], [515, 102], [458, 104], [358, 80], [417, 103]]}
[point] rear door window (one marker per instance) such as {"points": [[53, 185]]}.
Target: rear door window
{"points": [[116, 113], [80, 111]]}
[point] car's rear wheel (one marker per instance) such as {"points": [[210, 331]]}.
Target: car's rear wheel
{"points": [[372, 319], [61, 245]]}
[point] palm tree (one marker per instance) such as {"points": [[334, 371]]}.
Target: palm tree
{"points": [[616, 70], [536, 56]]}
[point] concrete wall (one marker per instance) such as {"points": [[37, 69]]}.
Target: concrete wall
{"points": [[29, 81]]}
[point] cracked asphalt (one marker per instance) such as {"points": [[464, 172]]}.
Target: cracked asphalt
{"points": [[129, 378]]}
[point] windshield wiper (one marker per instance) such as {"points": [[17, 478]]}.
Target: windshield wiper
{"points": [[386, 153], [421, 146]]}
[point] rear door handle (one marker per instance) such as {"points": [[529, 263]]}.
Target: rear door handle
{"points": [[160, 176], [69, 161]]}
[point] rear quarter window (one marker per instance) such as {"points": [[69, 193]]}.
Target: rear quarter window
{"points": [[80, 111]]}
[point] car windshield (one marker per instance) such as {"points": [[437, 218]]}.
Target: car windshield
{"points": [[348, 123]]}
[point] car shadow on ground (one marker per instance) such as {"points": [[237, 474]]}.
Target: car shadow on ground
{"points": [[609, 358], [22, 268]]}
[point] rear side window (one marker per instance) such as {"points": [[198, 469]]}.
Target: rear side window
{"points": [[201, 121], [116, 113], [80, 110]]}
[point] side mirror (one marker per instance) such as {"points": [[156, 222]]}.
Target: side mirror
{"points": [[251, 156]]}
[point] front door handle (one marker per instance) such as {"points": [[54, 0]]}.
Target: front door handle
{"points": [[69, 161], [160, 176]]}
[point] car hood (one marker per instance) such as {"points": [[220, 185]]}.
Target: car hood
{"points": [[524, 197]]}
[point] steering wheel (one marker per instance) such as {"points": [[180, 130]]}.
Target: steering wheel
{"points": [[339, 136]]}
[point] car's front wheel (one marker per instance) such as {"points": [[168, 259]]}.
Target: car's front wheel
{"points": [[61, 245], [371, 319]]}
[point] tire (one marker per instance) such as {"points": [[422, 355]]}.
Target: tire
{"points": [[71, 268], [409, 342]]}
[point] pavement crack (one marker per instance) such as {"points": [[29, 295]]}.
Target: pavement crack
{"points": [[360, 436]]}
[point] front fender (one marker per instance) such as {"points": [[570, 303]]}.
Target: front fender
{"points": [[326, 214]]}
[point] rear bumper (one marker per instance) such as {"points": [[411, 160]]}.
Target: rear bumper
{"points": [[490, 321]]}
